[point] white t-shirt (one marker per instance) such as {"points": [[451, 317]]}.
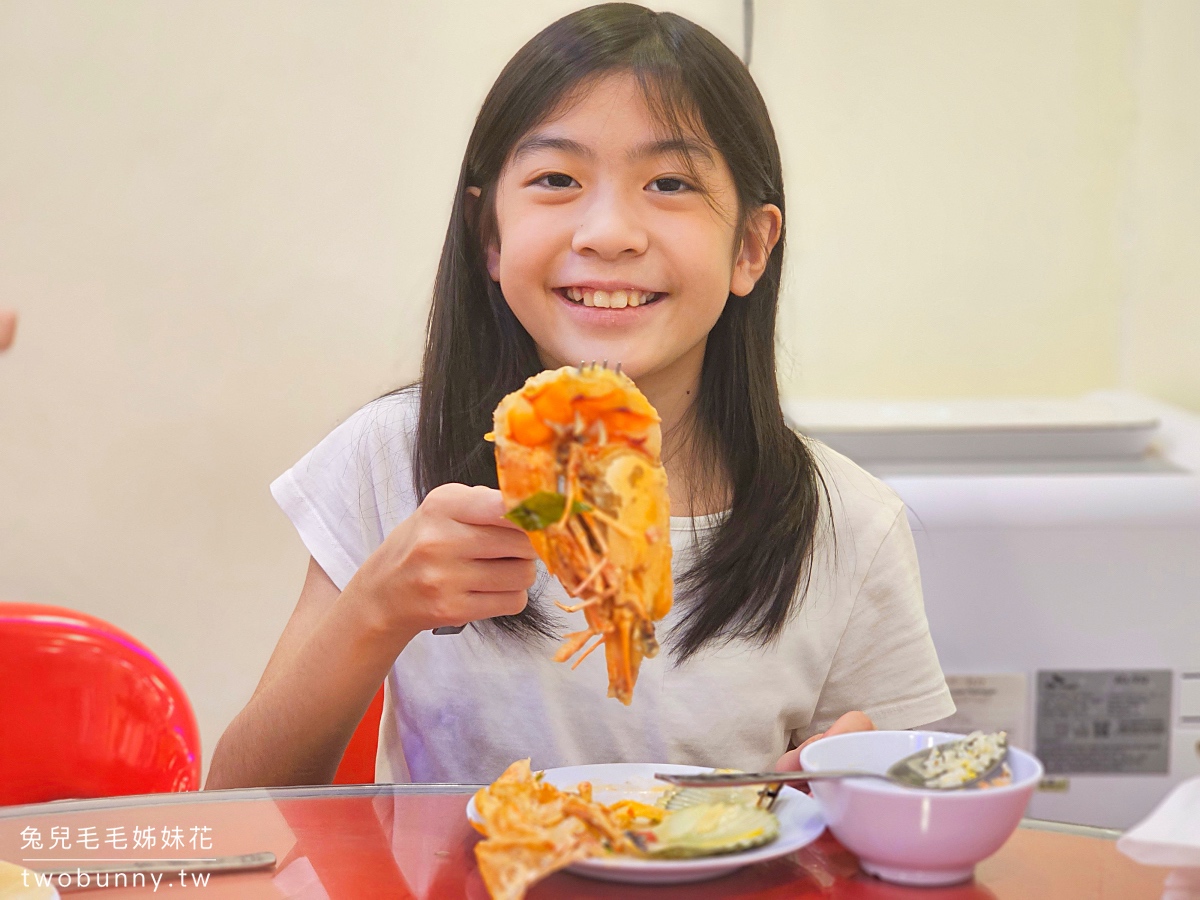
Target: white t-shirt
{"points": [[461, 708]]}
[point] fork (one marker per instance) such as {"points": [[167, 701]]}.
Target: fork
{"points": [[594, 364]]}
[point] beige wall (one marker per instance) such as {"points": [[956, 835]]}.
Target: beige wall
{"points": [[954, 171], [220, 221], [1160, 244]]}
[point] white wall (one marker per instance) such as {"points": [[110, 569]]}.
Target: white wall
{"points": [[220, 221]]}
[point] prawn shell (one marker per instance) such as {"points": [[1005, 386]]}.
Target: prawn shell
{"points": [[559, 396], [591, 435]]}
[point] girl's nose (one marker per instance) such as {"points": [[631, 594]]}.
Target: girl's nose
{"points": [[610, 229]]}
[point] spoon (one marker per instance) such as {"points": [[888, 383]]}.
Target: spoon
{"points": [[981, 756]]}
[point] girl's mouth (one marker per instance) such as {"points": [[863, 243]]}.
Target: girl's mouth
{"points": [[620, 299]]}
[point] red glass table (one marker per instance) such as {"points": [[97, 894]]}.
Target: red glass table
{"points": [[413, 841]]}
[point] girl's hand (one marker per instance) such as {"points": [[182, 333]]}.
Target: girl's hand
{"points": [[456, 559], [851, 721], [8, 328]]}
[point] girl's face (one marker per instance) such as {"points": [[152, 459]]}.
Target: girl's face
{"points": [[606, 247]]}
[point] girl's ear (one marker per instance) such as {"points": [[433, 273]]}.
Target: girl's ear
{"points": [[762, 234], [492, 251], [493, 261]]}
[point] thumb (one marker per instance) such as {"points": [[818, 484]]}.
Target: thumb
{"points": [[790, 761], [851, 721]]}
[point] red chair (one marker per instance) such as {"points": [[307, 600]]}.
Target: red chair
{"points": [[358, 762], [87, 711]]}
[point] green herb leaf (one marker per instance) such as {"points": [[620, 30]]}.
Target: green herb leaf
{"points": [[542, 509], [536, 512]]}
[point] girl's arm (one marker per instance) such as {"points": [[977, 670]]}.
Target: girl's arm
{"points": [[455, 560], [327, 666]]}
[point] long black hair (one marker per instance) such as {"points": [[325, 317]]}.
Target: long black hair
{"points": [[751, 569]]}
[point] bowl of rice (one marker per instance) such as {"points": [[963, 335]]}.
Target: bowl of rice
{"points": [[909, 835]]}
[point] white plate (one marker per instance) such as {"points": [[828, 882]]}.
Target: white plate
{"points": [[800, 823]]}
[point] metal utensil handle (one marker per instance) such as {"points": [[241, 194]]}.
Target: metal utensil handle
{"points": [[241, 863], [741, 779], [449, 629]]}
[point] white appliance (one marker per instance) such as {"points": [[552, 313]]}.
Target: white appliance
{"points": [[1061, 578]]}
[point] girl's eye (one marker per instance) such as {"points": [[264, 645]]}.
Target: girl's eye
{"points": [[669, 185], [557, 180]]}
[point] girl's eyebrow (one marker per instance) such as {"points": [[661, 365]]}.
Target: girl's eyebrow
{"points": [[535, 142], [682, 146]]}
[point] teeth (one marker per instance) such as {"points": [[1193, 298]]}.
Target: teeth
{"points": [[608, 299]]}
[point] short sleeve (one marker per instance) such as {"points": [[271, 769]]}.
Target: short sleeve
{"points": [[885, 663], [347, 493]]}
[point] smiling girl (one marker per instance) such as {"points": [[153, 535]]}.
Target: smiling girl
{"points": [[621, 198]]}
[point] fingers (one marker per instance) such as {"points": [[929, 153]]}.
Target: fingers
{"points": [[851, 721], [481, 510], [494, 603], [472, 520], [455, 560], [476, 505], [490, 576], [493, 542], [487, 605], [814, 738], [789, 762], [8, 328]]}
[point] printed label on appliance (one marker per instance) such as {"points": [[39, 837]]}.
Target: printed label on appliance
{"points": [[1104, 721], [997, 702]]}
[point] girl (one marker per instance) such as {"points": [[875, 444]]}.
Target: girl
{"points": [[621, 198]]}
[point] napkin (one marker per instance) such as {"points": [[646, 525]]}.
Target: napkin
{"points": [[1170, 836]]}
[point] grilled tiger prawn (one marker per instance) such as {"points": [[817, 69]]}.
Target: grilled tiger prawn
{"points": [[578, 454]]}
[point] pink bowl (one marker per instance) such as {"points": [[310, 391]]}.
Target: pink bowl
{"points": [[912, 836]]}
